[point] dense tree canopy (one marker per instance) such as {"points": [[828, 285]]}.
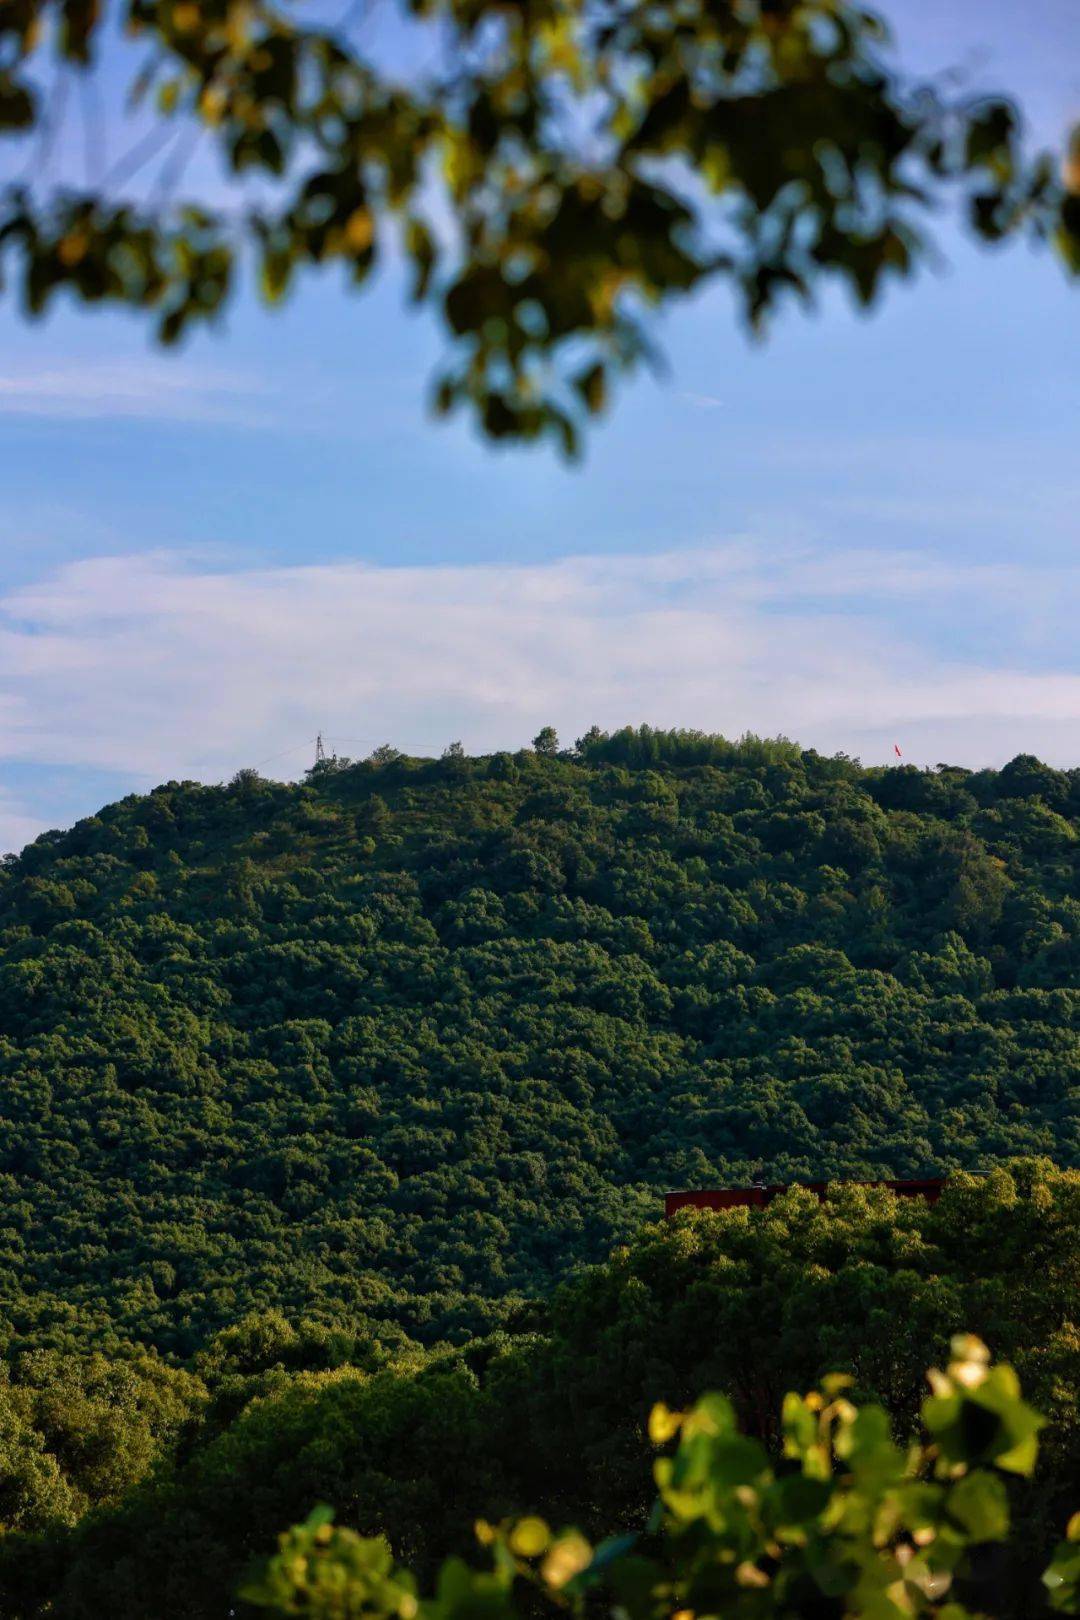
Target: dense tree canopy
{"points": [[396, 1048], [553, 1416], [312, 1094], [550, 169], [849, 1526]]}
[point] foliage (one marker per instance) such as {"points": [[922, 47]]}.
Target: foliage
{"points": [[862, 1282], [79, 1433], [851, 1525], [310, 1094], [565, 167], [414, 1445], [397, 1048]]}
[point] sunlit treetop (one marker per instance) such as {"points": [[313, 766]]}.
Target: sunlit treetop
{"points": [[551, 170]]}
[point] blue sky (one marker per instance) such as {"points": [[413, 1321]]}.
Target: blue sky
{"points": [[862, 532]]}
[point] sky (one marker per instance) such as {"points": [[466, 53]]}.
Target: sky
{"points": [[861, 533]]}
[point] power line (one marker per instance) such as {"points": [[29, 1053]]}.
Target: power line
{"points": [[374, 741], [271, 757], [320, 743], [325, 745]]}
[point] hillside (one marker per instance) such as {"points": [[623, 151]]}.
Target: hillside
{"points": [[399, 1046]]}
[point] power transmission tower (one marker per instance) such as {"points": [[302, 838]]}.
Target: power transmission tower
{"points": [[320, 751]]}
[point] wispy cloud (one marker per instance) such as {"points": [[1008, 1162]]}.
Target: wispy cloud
{"points": [[18, 825], [162, 666], [152, 389], [704, 402]]}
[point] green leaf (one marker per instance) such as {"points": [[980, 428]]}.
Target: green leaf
{"points": [[980, 1504]]}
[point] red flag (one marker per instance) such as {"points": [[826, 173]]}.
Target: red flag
{"points": [[896, 750]]}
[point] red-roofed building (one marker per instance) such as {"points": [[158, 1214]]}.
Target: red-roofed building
{"points": [[761, 1197]]}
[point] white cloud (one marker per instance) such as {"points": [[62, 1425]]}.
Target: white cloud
{"points": [[17, 827], [704, 402], [150, 389], [161, 666]]}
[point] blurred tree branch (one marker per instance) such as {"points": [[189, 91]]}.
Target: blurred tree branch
{"points": [[570, 165]]}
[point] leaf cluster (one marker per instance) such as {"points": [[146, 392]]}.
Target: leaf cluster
{"points": [[852, 1525], [573, 166]]}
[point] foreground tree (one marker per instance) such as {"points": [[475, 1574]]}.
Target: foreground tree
{"points": [[568, 166], [413, 1445], [850, 1527]]}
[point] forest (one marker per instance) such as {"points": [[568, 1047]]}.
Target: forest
{"points": [[337, 1117]]}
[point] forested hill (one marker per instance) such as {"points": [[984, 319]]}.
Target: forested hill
{"points": [[397, 1047]]}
